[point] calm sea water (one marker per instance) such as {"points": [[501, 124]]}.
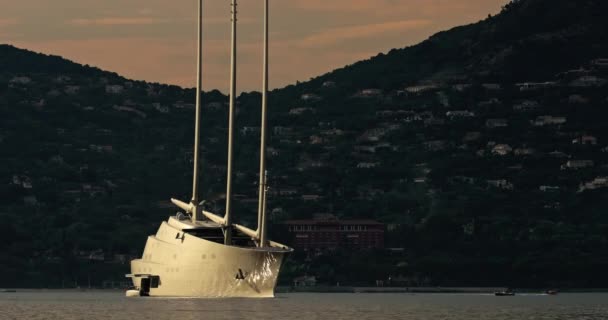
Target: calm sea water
{"points": [[113, 305]]}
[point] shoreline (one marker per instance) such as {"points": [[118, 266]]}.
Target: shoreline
{"points": [[347, 289], [461, 290]]}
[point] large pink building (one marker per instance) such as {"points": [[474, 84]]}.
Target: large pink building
{"points": [[330, 233]]}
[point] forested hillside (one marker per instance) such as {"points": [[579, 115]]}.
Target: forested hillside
{"points": [[483, 149]]}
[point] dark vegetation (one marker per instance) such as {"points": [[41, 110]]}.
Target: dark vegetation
{"points": [[87, 167]]}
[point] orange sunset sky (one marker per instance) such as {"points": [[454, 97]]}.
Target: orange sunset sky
{"points": [[155, 40]]}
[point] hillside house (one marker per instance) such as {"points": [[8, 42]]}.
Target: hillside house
{"points": [[96, 255], [577, 99], [20, 80], [285, 192], [318, 164], [282, 131], [496, 123], [61, 79], [300, 111], [305, 281], [588, 81], [463, 179], [461, 87], [421, 88], [71, 90], [597, 183], [501, 184], [585, 140], [273, 152], [373, 134], [247, 130], [368, 149], [528, 105], [385, 113], [601, 63], [459, 114], [549, 120], [434, 122], [310, 97], [53, 93], [578, 164], [524, 152], [502, 150], [114, 89], [491, 86], [38, 103], [332, 132], [57, 159], [367, 165], [436, 145], [489, 103], [215, 106], [558, 155], [101, 149], [317, 140], [151, 91], [420, 180], [160, 108], [471, 136], [443, 99], [23, 181], [30, 200], [531, 86], [369, 93], [548, 188], [183, 105], [311, 197], [553, 206]]}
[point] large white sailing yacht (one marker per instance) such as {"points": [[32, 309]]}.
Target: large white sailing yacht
{"points": [[198, 253]]}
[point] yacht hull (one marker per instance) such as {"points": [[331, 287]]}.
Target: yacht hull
{"points": [[177, 264]]}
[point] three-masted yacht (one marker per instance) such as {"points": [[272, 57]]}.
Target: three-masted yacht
{"points": [[198, 253]]}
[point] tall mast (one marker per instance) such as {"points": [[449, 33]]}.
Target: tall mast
{"points": [[197, 121], [262, 182], [228, 216]]}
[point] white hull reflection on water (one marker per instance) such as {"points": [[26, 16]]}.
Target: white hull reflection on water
{"points": [[95, 305]]}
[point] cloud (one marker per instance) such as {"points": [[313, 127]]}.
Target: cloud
{"points": [[331, 36], [5, 22], [124, 21], [341, 6]]}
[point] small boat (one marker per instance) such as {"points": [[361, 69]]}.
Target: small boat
{"points": [[132, 293], [552, 292], [506, 293]]}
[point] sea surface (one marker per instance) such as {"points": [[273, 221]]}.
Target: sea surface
{"points": [[94, 305]]}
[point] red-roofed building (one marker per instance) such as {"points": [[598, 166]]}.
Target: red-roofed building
{"points": [[330, 233]]}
